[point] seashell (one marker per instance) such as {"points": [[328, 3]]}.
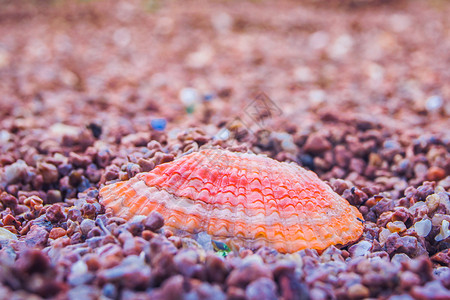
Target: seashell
{"points": [[245, 199]]}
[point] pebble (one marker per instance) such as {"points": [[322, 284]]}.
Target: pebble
{"points": [[154, 221], [15, 171], [261, 289], [396, 226], [358, 291], [444, 231], [423, 227], [316, 143], [49, 172], [86, 226], [158, 124], [360, 249], [6, 234], [251, 269], [434, 103]]}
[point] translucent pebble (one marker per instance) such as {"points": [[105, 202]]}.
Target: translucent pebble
{"points": [[433, 202], [384, 235], [434, 103], [397, 226], [223, 134], [158, 124], [189, 96], [317, 96], [79, 268], [416, 205], [360, 249], [399, 258], [438, 218], [318, 40], [391, 144], [4, 136], [445, 231], [5, 234], [204, 240], [423, 227]]}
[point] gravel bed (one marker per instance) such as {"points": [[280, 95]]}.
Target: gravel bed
{"points": [[94, 93]]}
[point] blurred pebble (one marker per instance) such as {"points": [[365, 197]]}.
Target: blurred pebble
{"points": [[15, 171], [263, 289], [154, 221], [6, 234], [158, 124], [433, 103]]}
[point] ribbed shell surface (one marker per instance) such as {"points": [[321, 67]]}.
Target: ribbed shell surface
{"points": [[249, 199]]}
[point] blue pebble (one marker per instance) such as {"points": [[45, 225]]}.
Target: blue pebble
{"points": [[208, 97], [158, 124]]}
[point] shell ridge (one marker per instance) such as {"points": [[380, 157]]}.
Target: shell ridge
{"points": [[232, 196]]}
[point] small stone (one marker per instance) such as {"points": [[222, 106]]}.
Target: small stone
{"points": [[358, 291], [15, 171], [433, 103], [49, 172], [86, 226], [53, 196], [158, 124], [397, 226], [360, 249], [444, 231], [423, 227], [435, 173], [204, 240], [261, 289], [442, 257], [56, 232], [6, 234], [251, 269], [399, 258], [154, 221], [408, 280], [55, 214], [405, 244], [189, 96], [431, 290], [216, 268], [317, 143]]}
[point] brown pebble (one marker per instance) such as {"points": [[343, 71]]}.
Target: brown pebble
{"points": [[55, 214], [358, 291], [53, 196], [48, 171], [317, 143], [148, 235], [154, 221], [435, 173], [56, 232]]}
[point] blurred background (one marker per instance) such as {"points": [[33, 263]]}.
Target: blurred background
{"points": [[185, 63]]}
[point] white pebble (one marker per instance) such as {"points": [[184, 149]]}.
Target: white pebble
{"points": [[444, 233], [189, 96], [434, 103], [360, 249], [15, 171], [5, 234], [204, 240], [79, 268], [223, 134], [423, 227]]}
